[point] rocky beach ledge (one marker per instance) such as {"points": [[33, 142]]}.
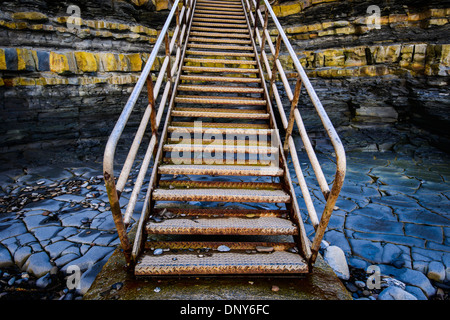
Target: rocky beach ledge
{"points": [[388, 238]]}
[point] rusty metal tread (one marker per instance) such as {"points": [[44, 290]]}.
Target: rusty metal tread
{"points": [[221, 112], [211, 114], [223, 226], [221, 126], [278, 262], [219, 184], [222, 195], [223, 13], [219, 47], [220, 25], [214, 245], [221, 100], [221, 40], [219, 4], [223, 16], [223, 89], [188, 159], [218, 20], [219, 9], [219, 69], [219, 148], [226, 170], [220, 34], [223, 142], [215, 213], [223, 30], [219, 79], [220, 53], [220, 61], [219, 130]]}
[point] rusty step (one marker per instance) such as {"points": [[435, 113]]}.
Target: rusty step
{"points": [[171, 184], [219, 47], [219, 9], [223, 16], [219, 69], [221, 126], [223, 25], [217, 113], [188, 159], [219, 79], [219, 148], [222, 100], [220, 30], [217, 12], [222, 195], [221, 3], [220, 53], [225, 170], [218, 20], [213, 40], [220, 34], [220, 61], [216, 141], [219, 130], [242, 258], [222, 89]]}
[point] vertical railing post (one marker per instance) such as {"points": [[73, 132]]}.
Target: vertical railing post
{"points": [[169, 68], [151, 105], [274, 66], [113, 197], [294, 103], [255, 25]]}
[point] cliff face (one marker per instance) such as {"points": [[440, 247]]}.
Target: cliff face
{"points": [[65, 85], [366, 76], [65, 81]]}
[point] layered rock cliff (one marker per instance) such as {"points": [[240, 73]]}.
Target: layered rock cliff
{"points": [[64, 85], [395, 72]]}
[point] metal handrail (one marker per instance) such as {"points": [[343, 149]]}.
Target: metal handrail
{"points": [[255, 14], [166, 71]]}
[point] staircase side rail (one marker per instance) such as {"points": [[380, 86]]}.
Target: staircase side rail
{"points": [[274, 70], [151, 114]]}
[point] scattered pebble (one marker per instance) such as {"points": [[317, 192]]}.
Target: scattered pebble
{"points": [[117, 286], [223, 248], [264, 249], [157, 252]]}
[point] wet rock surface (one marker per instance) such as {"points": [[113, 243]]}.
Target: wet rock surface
{"points": [[392, 213]]}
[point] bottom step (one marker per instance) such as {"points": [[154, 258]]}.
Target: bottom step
{"points": [[221, 260]]}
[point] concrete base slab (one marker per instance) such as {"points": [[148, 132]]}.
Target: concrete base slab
{"points": [[115, 283]]}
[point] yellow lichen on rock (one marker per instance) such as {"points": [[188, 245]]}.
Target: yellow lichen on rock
{"points": [[139, 2], [445, 55], [86, 61], [2, 60], [287, 8], [25, 60], [161, 5], [35, 16], [58, 63], [108, 61], [135, 62]]}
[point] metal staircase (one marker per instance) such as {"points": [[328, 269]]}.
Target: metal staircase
{"points": [[220, 199]]}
